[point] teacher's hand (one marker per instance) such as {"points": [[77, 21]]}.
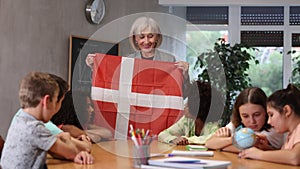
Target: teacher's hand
{"points": [[184, 66], [89, 60]]}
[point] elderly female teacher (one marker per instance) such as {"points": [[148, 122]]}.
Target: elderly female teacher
{"points": [[145, 38]]}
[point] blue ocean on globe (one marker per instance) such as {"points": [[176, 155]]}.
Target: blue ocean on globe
{"points": [[244, 138]]}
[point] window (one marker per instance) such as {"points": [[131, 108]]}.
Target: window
{"points": [[262, 38], [274, 30], [210, 23], [199, 42], [207, 15], [294, 15], [266, 15], [268, 73]]}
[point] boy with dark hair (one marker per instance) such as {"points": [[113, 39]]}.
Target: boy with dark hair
{"points": [[28, 140]]}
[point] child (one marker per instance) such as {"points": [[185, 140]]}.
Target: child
{"points": [[28, 140], [284, 115], [85, 111], [66, 114], [81, 141], [249, 111], [66, 117], [196, 111]]}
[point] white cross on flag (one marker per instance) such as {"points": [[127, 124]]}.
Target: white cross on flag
{"points": [[146, 94]]}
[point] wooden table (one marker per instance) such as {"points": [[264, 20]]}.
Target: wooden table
{"points": [[117, 154]]}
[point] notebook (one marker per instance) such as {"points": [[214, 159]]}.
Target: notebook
{"points": [[192, 153], [196, 147]]}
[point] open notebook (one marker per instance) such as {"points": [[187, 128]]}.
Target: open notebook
{"points": [[188, 163]]}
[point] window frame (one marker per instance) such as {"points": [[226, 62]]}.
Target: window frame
{"points": [[234, 25]]}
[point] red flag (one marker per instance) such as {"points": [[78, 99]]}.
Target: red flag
{"points": [[146, 94]]}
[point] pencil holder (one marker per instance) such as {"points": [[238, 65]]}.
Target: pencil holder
{"points": [[140, 155]]}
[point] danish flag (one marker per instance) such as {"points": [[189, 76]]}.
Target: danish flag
{"points": [[144, 93]]}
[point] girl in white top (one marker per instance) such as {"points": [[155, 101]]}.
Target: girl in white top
{"points": [[249, 111]]}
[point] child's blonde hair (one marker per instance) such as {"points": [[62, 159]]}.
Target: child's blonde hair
{"points": [[34, 86]]}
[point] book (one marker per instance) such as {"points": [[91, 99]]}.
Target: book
{"points": [[144, 166], [192, 153], [188, 163]]}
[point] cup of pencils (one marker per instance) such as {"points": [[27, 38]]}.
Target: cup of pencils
{"points": [[141, 146]]}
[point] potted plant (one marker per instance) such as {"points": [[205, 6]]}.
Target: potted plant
{"points": [[295, 78], [231, 62]]}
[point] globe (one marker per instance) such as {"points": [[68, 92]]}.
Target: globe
{"points": [[244, 138]]}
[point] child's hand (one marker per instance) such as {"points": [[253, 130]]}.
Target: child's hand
{"points": [[223, 132], [262, 142], [253, 153], [64, 136], [180, 141], [85, 138], [84, 157]]}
